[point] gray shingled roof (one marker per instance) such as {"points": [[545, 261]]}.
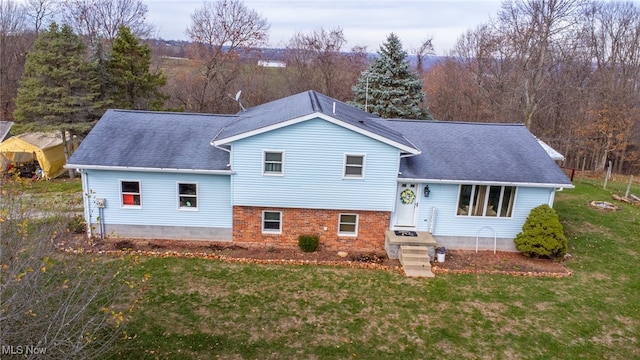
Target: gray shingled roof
{"points": [[476, 152], [158, 140], [450, 151], [306, 103]]}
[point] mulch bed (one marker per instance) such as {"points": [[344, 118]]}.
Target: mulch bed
{"points": [[457, 261], [502, 262]]}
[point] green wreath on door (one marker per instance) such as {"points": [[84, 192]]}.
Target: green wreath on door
{"points": [[407, 196]]}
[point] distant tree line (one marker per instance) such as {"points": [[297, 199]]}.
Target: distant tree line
{"points": [[567, 69]]}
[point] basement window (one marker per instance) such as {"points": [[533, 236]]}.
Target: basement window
{"points": [[272, 222], [348, 225]]}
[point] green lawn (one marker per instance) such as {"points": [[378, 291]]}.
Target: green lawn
{"points": [[202, 309], [62, 194]]}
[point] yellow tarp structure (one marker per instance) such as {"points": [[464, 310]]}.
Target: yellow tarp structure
{"points": [[47, 148]]}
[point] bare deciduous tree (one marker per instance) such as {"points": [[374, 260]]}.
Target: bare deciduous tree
{"points": [[315, 61], [483, 75], [101, 19], [531, 29], [612, 33], [425, 49], [41, 12], [314, 58], [64, 305], [452, 94], [221, 32], [569, 70]]}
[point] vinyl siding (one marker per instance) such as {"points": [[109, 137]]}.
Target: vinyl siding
{"points": [[159, 198], [444, 198], [314, 153]]}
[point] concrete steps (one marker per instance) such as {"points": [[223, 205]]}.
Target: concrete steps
{"points": [[415, 260]]}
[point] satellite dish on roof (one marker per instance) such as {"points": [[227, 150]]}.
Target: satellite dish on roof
{"points": [[238, 94], [237, 99]]}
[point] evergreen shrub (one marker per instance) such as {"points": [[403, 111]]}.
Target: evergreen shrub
{"points": [[542, 234], [308, 243]]}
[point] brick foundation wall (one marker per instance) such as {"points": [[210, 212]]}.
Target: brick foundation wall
{"points": [[247, 228]]}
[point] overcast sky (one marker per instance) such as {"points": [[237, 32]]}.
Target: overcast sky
{"points": [[363, 22]]}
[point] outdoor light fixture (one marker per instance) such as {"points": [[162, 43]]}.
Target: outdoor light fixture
{"points": [[427, 191]]}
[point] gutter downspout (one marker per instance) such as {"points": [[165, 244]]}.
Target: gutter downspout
{"points": [[86, 200], [552, 197]]}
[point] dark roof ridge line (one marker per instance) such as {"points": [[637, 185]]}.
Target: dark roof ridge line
{"points": [[453, 122], [173, 112]]}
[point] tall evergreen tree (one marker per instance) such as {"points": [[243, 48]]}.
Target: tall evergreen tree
{"points": [[58, 87], [98, 57], [389, 88], [130, 83]]}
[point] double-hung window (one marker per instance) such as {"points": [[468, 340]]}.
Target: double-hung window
{"points": [[188, 196], [486, 200], [272, 222], [273, 162], [130, 193], [353, 166], [348, 225]]}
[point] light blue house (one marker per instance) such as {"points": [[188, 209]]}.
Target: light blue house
{"points": [[309, 164]]}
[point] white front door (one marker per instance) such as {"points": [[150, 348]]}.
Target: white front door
{"points": [[406, 204]]}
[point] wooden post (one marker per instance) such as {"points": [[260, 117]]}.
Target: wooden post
{"points": [[626, 194], [65, 146], [607, 176]]}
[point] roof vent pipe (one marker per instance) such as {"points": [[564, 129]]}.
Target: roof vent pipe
{"points": [[334, 108]]}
